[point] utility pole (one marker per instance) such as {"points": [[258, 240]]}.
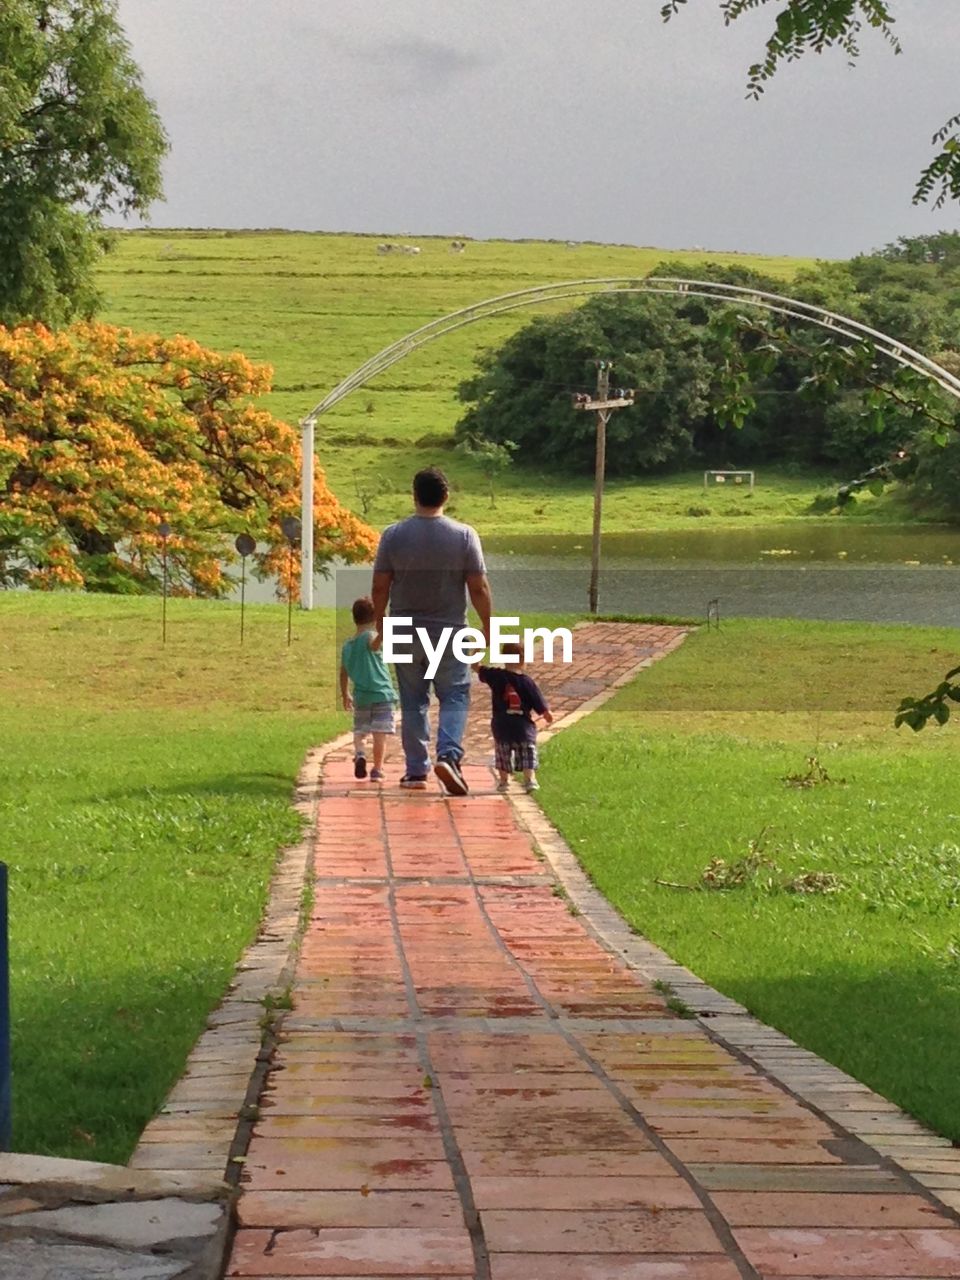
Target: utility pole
{"points": [[604, 403], [307, 429]]}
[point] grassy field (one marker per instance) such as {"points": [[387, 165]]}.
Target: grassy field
{"points": [[689, 763], [316, 306], [663, 503], [144, 792]]}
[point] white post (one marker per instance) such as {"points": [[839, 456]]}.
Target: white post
{"points": [[306, 515]]}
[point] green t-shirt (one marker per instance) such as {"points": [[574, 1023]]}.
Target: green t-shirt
{"points": [[367, 671]]}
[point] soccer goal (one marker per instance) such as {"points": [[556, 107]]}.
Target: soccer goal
{"points": [[731, 477]]}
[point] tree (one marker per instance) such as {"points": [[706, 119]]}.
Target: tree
{"points": [[794, 392], [942, 248], [78, 138], [812, 26], [492, 458], [523, 393], [106, 434], [701, 368]]}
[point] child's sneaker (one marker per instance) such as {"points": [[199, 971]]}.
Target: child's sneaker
{"points": [[531, 786], [376, 775], [359, 766]]}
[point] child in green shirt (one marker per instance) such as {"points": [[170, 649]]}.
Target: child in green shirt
{"points": [[373, 694]]}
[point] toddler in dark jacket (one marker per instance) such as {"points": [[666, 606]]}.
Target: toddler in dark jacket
{"points": [[516, 700]]}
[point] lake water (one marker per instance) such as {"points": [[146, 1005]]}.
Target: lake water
{"points": [[832, 571]]}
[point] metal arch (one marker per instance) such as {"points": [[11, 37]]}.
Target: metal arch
{"points": [[779, 304], [677, 286], [390, 356]]}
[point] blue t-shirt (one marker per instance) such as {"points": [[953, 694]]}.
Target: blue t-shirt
{"points": [[367, 671], [430, 558]]}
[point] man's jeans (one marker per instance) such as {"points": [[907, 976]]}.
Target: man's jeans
{"points": [[452, 687]]}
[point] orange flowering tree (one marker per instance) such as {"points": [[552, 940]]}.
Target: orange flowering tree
{"points": [[106, 434]]}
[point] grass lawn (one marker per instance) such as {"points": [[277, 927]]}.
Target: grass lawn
{"points": [[529, 502], [700, 745], [316, 306], [144, 793]]}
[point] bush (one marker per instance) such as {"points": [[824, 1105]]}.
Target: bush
{"points": [[857, 440], [936, 480], [524, 392], [794, 395]]}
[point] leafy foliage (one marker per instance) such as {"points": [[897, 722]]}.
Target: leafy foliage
{"points": [[803, 26], [916, 712], [523, 392], [942, 174], [106, 434], [935, 481], [78, 138], [492, 458], [813, 26], [941, 248], [793, 392]]}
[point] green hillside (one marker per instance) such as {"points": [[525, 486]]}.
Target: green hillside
{"points": [[317, 305]]}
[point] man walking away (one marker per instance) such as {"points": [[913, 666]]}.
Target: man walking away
{"points": [[426, 566]]}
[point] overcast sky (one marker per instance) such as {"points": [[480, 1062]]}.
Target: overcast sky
{"points": [[570, 119]]}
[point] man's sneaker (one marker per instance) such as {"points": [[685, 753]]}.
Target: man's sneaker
{"points": [[503, 784], [414, 782], [376, 775], [532, 785], [447, 770], [359, 766]]}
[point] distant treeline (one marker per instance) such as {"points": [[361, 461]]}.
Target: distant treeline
{"points": [[683, 355]]}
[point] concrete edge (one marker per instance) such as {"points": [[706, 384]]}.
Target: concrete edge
{"points": [[901, 1143]]}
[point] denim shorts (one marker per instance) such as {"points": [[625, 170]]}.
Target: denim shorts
{"points": [[376, 718]]}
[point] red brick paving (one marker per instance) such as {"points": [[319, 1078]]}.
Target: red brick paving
{"points": [[470, 1085]]}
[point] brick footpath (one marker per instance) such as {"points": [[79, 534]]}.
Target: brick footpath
{"points": [[470, 1085]]}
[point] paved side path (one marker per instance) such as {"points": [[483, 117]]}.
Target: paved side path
{"points": [[470, 1086]]}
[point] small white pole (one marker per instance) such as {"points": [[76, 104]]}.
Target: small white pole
{"points": [[306, 514]]}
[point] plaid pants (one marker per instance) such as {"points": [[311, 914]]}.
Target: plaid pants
{"points": [[512, 757]]}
